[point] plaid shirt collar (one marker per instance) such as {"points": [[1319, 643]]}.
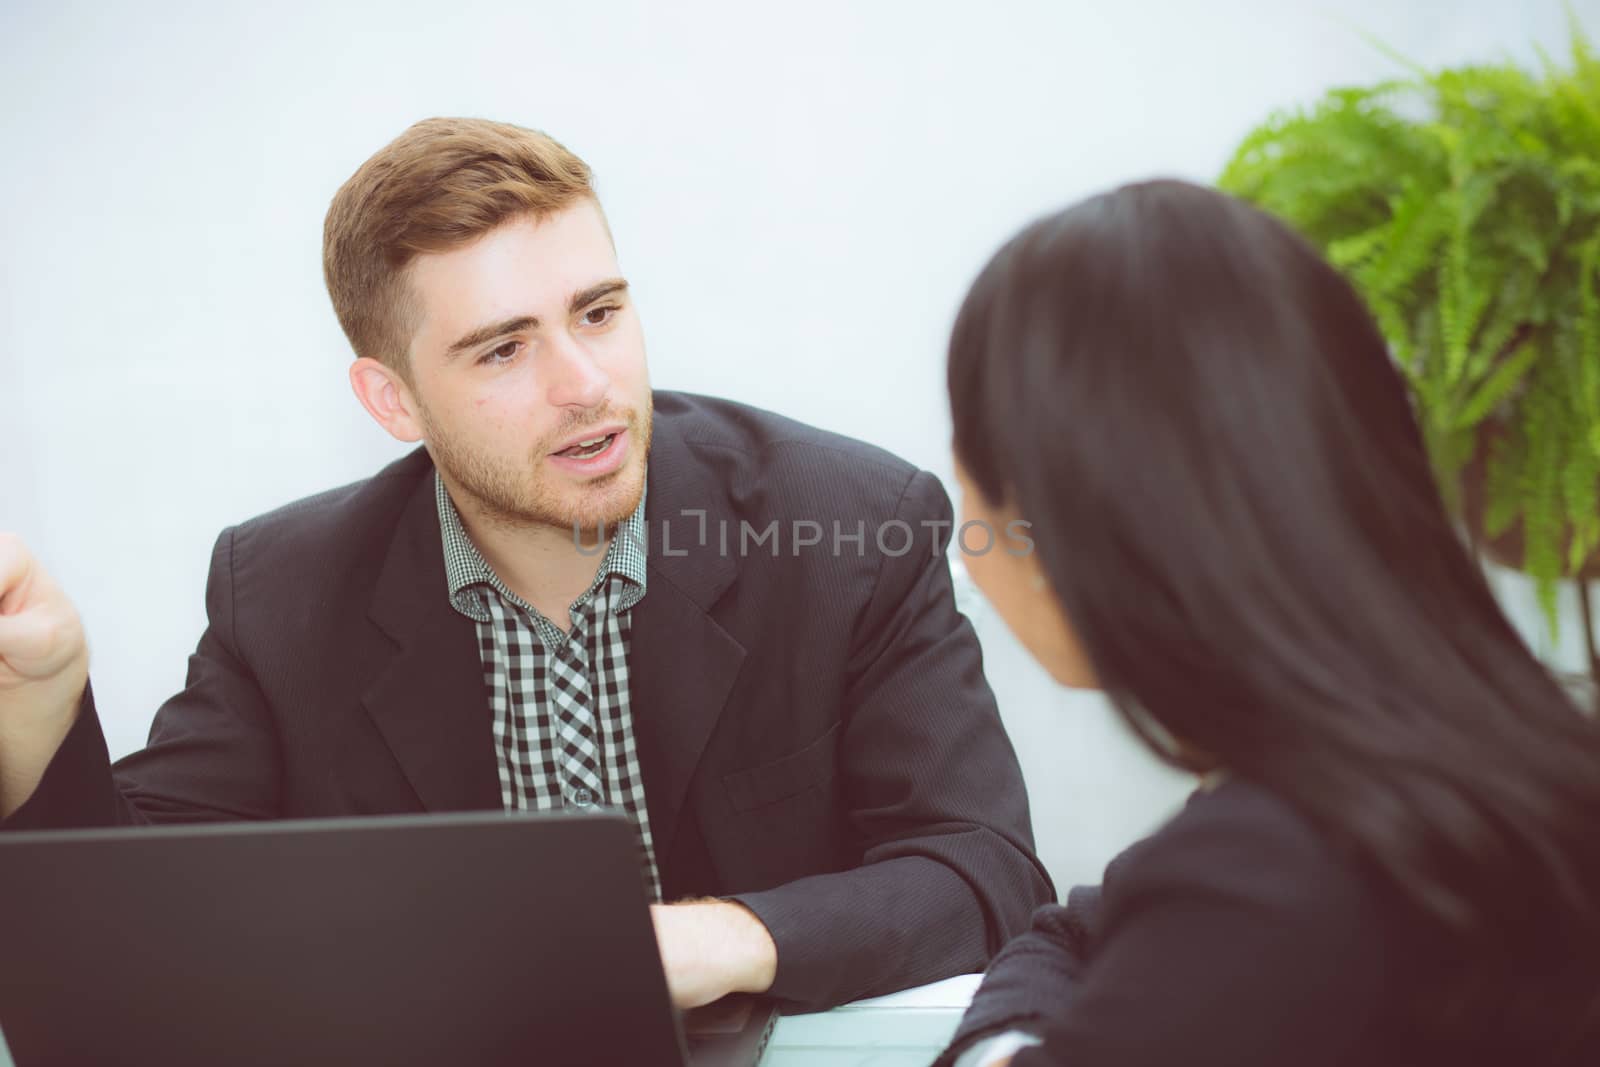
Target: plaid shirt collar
{"points": [[470, 577]]}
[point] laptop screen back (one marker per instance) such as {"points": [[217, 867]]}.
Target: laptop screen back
{"points": [[430, 940]]}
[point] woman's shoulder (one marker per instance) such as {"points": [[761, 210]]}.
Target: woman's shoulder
{"points": [[1238, 819], [1238, 933], [1287, 919], [1245, 851]]}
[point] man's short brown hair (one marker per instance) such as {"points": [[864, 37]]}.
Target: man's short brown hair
{"points": [[439, 185]]}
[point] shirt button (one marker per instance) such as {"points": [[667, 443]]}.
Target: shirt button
{"points": [[582, 797]]}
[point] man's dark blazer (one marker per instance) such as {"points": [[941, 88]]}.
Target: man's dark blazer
{"points": [[813, 724]]}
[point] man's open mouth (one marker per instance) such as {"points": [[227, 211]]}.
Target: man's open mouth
{"points": [[590, 448]]}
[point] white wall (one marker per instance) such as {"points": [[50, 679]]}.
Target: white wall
{"points": [[800, 198]]}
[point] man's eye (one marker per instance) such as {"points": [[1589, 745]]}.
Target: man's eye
{"points": [[598, 316], [501, 353]]}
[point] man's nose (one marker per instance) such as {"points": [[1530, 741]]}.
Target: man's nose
{"points": [[575, 378]]}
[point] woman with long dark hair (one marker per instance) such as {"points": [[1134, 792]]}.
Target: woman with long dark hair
{"points": [[1393, 859]]}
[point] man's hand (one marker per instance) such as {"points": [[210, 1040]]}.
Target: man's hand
{"points": [[44, 666], [711, 948]]}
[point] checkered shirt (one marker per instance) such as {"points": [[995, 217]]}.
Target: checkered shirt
{"points": [[562, 727]]}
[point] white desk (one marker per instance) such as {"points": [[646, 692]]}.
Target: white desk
{"points": [[906, 1029]]}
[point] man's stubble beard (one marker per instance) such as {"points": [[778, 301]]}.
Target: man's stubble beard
{"points": [[511, 497]]}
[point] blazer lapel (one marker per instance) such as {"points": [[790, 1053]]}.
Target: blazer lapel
{"points": [[428, 698], [427, 695], [681, 663]]}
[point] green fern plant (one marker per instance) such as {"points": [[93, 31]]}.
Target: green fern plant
{"points": [[1465, 206]]}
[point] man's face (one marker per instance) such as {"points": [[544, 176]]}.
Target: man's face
{"points": [[528, 373]]}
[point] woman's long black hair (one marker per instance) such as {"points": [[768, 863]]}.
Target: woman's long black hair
{"points": [[1232, 503]]}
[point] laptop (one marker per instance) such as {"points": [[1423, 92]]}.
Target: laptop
{"points": [[414, 940]]}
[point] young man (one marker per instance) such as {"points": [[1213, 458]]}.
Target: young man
{"points": [[736, 629]]}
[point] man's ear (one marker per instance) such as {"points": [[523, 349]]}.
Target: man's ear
{"points": [[387, 399]]}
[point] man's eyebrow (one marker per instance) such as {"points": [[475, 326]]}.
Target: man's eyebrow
{"points": [[489, 333], [582, 298]]}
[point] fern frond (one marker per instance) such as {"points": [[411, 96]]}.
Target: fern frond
{"points": [[1464, 205], [1496, 387]]}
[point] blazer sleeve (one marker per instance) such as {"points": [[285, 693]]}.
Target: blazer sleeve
{"points": [[1236, 938], [935, 793], [212, 753], [1035, 976]]}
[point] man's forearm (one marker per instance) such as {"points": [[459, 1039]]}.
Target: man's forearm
{"points": [[27, 745], [710, 948], [748, 955]]}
